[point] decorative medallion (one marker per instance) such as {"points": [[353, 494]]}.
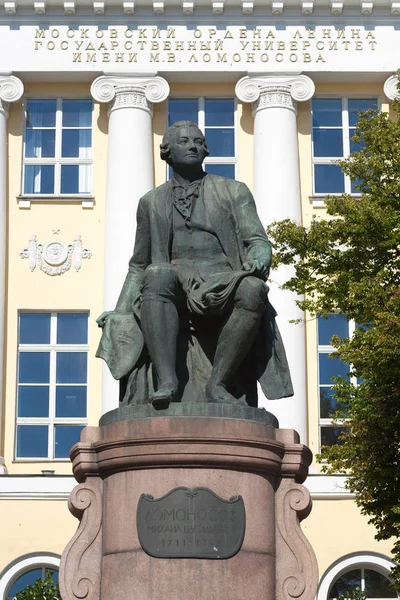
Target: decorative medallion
{"points": [[55, 257]]}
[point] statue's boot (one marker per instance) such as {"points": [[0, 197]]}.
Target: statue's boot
{"points": [[234, 343], [160, 326]]}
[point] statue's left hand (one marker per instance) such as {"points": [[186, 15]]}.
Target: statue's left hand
{"points": [[261, 269], [101, 320]]}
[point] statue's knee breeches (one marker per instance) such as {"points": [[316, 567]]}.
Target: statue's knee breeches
{"points": [[251, 294], [160, 282]]}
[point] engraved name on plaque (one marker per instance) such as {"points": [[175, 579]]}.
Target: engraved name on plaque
{"points": [[191, 523]]}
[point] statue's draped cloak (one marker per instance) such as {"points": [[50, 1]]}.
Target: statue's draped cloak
{"points": [[231, 212]]}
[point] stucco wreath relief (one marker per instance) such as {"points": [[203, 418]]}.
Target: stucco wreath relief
{"points": [[55, 257]]}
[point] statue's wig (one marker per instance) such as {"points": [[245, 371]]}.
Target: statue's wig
{"points": [[165, 146]]}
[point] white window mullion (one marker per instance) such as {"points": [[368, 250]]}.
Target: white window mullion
{"points": [[57, 168], [52, 390], [346, 140], [202, 114]]}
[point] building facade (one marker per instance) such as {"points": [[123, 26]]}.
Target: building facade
{"points": [[87, 90]]}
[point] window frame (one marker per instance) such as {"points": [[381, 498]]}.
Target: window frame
{"points": [[201, 100], [367, 560], [319, 197], [57, 160], [52, 420], [328, 349], [23, 564]]}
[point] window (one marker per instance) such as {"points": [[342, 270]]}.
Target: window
{"points": [[335, 324], [216, 118], [57, 147], [29, 578], [333, 125], [373, 583], [25, 570], [52, 383], [368, 571]]}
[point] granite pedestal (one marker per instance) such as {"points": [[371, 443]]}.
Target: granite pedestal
{"points": [[153, 452]]}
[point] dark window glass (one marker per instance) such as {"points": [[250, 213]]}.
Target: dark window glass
{"points": [[65, 437], [77, 113], [72, 328], [222, 170], [346, 583], [76, 143], [24, 580], [33, 401], [34, 367], [41, 113], [220, 142], [40, 143], [359, 105], [329, 179], [182, 110], [330, 435], [39, 179], [377, 585], [219, 112], [29, 578], [331, 367], [335, 324], [355, 147], [328, 142], [327, 112], [71, 367], [70, 179], [34, 328], [71, 401], [32, 441]]}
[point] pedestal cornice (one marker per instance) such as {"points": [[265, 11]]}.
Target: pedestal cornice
{"points": [[130, 92], [11, 90], [270, 91]]}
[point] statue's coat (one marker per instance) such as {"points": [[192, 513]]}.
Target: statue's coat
{"points": [[231, 213]]}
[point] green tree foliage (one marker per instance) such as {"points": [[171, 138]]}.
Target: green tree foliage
{"points": [[42, 589], [350, 262]]}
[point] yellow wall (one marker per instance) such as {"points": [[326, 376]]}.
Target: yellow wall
{"points": [[336, 528], [34, 526], [35, 290]]}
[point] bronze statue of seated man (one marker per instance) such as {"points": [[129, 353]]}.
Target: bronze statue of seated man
{"points": [[200, 262]]}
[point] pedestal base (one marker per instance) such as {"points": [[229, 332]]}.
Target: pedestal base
{"points": [[118, 462]]}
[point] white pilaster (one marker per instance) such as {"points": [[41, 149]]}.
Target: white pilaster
{"points": [[11, 90], [129, 176], [277, 194]]}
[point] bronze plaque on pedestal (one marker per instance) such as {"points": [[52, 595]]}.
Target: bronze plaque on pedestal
{"points": [[191, 523]]}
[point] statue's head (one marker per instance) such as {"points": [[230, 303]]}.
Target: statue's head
{"points": [[183, 145]]}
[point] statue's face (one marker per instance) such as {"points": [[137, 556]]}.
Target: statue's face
{"points": [[187, 147]]}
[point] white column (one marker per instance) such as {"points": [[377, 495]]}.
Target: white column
{"points": [[129, 176], [277, 194], [11, 90]]}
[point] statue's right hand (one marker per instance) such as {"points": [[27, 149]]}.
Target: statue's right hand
{"points": [[103, 318]]}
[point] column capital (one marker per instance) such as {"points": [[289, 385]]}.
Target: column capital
{"points": [[11, 90], [390, 88], [275, 91], [125, 91]]}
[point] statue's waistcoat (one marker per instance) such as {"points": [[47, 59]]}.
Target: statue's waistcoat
{"points": [[195, 244]]}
